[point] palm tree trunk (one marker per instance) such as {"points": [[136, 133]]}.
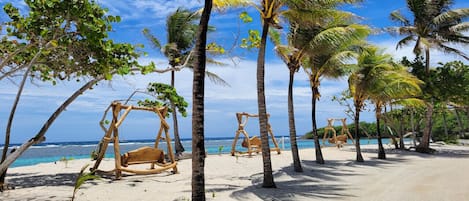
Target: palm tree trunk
{"points": [[401, 131], [424, 146], [414, 136], [198, 146], [381, 152], [177, 139], [268, 176], [317, 145], [10, 122], [357, 133], [40, 135], [291, 123]]}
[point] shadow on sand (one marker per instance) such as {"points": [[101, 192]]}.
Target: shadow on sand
{"points": [[316, 182]]}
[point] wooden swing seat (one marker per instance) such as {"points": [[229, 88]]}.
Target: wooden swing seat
{"points": [[142, 155], [254, 141]]}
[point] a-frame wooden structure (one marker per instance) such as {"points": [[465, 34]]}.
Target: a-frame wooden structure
{"points": [[141, 155], [334, 139], [242, 118]]}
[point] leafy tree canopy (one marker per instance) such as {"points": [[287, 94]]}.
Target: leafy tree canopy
{"points": [[64, 40]]}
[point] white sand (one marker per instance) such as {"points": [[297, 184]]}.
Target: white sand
{"points": [[403, 176]]}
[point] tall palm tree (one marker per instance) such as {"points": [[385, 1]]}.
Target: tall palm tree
{"points": [[198, 147], [181, 29], [397, 86], [434, 25], [330, 62], [291, 56], [269, 10]]}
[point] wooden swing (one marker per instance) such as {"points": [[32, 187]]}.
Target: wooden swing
{"points": [[143, 155], [334, 139], [252, 144]]}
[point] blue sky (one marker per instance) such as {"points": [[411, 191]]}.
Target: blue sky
{"points": [[80, 120]]}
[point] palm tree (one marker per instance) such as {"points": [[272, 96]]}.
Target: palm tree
{"points": [[397, 86], [291, 56], [434, 25], [378, 79], [198, 147], [181, 28], [300, 44]]}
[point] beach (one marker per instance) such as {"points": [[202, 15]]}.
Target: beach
{"points": [[404, 175]]}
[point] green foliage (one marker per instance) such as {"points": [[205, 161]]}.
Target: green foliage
{"points": [[214, 48], [220, 149], [244, 16], [81, 178], [252, 41], [165, 94], [65, 160], [64, 40], [370, 128]]}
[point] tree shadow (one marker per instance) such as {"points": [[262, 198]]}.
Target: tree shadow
{"points": [[317, 181], [43, 180]]}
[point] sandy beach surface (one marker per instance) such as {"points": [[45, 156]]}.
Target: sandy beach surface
{"points": [[403, 176]]}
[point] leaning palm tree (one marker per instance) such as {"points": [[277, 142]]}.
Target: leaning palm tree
{"points": [[434, 25], [397, 86]]}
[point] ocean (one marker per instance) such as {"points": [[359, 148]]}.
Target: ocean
{"points": [[55, 151]]}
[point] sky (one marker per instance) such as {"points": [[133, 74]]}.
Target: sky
{"points": [[80, 122]]}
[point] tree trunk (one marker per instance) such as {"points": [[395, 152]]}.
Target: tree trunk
{"points": [[317, 145], [381, 152], [401, 131], [458, 117], [445, 123], [291, 123], [10, 123], [357, 131], [40, 135], [414, 136], [268, 176], [198, 146], [424, 146], [177, 139]]}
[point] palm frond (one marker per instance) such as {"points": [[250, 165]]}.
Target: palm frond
{"points": [[153, 40], [398, 17], [215, 62], [339, 36], [410, 102], [451, 16], [405, 41], [460, 27], [216, 79]]}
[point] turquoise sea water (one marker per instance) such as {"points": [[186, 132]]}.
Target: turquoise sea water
{"points": [[51, 152]]}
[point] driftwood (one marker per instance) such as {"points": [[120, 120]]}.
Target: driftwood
{"points": [[142, 155]]}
